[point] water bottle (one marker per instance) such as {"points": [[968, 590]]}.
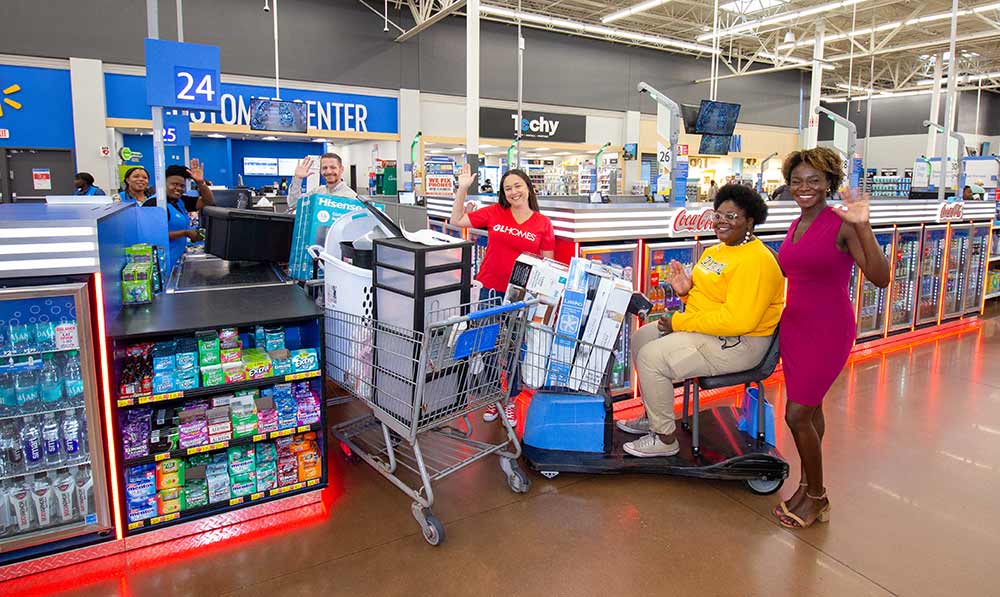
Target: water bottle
{"points": [[45, 336], [71, 436], [617, 371], [51, 442], [8, 395], [19, 338], [11, 456], [4, 345], [31, 445], [49, 385], [72, 379], [26, 389]]}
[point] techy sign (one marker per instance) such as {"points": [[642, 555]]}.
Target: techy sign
{"points": [[541, 125]]}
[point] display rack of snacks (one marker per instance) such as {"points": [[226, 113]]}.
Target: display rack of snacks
{"points": [[890, 186], [216, 419]]}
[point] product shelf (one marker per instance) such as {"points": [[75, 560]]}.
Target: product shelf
{"points": [[50, 469], [42, 413], [205, 391], [231, 443], [220, 507], [992, 295]]}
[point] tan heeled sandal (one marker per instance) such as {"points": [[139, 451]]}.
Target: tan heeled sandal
{"points": [[792, 521], [782, 508]]}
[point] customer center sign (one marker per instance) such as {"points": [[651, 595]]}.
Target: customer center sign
{"points": [[326, 111], [498, 123]]}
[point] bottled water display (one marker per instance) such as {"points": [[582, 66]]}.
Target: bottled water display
{"points": [[45, 476]]}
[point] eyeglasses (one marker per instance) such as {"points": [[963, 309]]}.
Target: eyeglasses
{"points": [[730, 217]]}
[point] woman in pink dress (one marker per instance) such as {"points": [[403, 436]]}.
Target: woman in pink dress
{"points": [[817, 326]]}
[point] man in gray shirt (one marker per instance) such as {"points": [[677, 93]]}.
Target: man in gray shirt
{"points": [[331, 168]]}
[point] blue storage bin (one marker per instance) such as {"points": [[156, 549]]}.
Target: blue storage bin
{"points": [[565, 421]]}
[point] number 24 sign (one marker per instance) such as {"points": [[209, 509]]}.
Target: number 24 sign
{"points": [[182, 75]]}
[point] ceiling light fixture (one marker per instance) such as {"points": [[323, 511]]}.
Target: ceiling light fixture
{"points": [[789, 37], [269, 138], [780, 18], [216, 136], [627, 12], [893, 25], [577, 27]]}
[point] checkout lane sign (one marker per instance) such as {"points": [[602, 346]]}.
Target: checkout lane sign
{"points": [[182, 75]]}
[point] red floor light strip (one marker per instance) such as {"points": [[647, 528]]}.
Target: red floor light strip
{"points": [[108, 418]]}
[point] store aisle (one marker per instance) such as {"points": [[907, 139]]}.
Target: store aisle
{"points": [[913, 461]]}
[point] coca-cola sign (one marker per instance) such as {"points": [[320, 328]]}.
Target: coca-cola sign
{"points": [[950, 212], [688, 221]]}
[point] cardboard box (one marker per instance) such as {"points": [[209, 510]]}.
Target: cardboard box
{"points": [[545, 280], [594, 319], [568, 323], [607, 336]]}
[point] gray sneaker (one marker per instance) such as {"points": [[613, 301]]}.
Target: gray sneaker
{"points": [[650, 445], [638, 426]]}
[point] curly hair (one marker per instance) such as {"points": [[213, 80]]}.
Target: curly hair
{"points": [[746, 199], [823, 159]]}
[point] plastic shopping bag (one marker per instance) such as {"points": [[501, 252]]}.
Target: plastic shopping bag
{"points": [[748, 416]]}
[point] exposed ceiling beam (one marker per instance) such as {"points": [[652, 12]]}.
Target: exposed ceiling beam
{"points": [[441, 14], [369, 7]]}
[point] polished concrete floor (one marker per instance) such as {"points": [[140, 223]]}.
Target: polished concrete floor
{"points": [[913, 471]]}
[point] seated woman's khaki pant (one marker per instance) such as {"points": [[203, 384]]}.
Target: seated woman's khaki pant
{"points": [[662, 360]]}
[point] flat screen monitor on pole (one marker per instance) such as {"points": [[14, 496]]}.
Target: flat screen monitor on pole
{"points": [[717, 118], [715, 144], [689, 114], [278, 116]]}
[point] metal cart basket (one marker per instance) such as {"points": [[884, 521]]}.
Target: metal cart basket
{"points": [[416, 383]]}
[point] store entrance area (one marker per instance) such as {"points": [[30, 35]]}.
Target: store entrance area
{"points": [[930, 406]]}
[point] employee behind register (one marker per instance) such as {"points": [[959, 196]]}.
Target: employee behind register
{"points": [[179, 228], [331, 168]]}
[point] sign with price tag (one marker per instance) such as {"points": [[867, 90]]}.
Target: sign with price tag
{"points": [[182, 75], [176, 130]]}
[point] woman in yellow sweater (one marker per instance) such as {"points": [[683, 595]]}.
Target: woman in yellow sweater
{"points": [[733, 300]]}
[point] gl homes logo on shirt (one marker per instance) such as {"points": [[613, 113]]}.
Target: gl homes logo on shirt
{"points": [[529, 236]]}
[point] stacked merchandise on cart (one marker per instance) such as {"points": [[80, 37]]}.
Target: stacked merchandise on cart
{"points": [[218, 418]]}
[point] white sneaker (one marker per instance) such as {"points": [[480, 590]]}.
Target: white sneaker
{"points": [[510, 411], [491, 413], [638, 426], [650, 445]]}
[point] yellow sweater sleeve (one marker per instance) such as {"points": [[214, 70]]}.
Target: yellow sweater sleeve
{"points": [[749, 293]]}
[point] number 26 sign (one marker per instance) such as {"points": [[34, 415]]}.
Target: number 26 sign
{"points": [[182, 75]]}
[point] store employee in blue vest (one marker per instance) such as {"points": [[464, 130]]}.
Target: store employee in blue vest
{"points": [[179, 228], [84, 183]]}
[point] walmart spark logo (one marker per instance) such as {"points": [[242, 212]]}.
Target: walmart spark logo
{"points": [[6, 100]]}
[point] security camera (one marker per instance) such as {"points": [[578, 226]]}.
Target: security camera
{"points": [[267, 7]]}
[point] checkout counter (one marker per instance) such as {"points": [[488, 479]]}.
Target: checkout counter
{"points": [[63, 264], [939, 254]]}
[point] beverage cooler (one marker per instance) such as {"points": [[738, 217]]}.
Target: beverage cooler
{"points": [[52, 480], [903, 290], [873, 301], [956, 274], [625, 256], [975, 280], [932, 261]]}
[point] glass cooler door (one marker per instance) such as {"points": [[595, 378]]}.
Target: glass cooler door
{"points": [[50, 441], [658, 258], [977, 268], [871, 311], [904, 279], [958, 265], [932, 260], [624, 256]]}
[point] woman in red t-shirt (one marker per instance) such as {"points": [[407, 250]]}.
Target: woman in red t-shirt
{"points": [[514, 225]]}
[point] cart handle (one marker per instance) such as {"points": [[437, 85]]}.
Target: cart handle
{"points": [[497, 310]]}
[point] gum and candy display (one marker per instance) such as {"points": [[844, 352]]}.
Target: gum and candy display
{"points": [[146, 430], [210, 358]]}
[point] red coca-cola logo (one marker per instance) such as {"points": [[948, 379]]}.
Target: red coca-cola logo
{"points": [[950, 211], [697, 221]]}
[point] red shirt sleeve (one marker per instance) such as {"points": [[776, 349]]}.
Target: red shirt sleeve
{"points": [[548, 236], [481, 218]]}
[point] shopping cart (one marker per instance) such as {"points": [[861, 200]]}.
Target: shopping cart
{"points": [[416, 383]]}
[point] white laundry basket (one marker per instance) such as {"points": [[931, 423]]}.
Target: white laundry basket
{"points": [[346, 289]]}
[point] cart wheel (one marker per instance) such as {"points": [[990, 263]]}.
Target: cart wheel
{"points": [[516, 479], [764, 486], [349, 454], [549, 474], [431, 527]]}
